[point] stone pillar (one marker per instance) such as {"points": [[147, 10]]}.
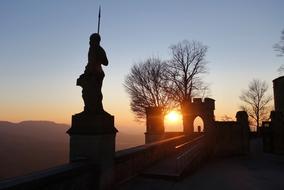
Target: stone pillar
{"points": [[187, 117], [92, 137], [209, 118], [242, 122], [155, 129]]}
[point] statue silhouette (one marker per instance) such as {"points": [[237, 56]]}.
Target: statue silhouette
{"points": [[92, 79], [94, 120]]}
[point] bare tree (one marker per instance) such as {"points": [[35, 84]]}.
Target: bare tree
{"points": [[256, 101], [281, 69], [184, 70], [280, 45], [154, 83], [145, 84], [251, 121]]}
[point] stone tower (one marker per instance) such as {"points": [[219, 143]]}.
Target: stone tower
{"points": [[197, 107], [154, 124], [278, 87]]}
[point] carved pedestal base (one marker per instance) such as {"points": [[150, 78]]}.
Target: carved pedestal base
{"points": [[90, 124], [92, 138]]}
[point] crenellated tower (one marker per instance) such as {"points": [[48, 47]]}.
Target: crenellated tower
{"points": [[197, 107]]}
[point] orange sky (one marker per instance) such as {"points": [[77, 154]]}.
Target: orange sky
{"points": [[44, 46], [62, 111]]}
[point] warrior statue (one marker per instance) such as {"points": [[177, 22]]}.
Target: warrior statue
{"points": [[92, 79], [94, 120]]}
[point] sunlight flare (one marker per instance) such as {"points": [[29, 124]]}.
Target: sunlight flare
{"points": [[173, 116]]}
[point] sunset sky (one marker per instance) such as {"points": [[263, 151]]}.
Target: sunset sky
{"points": [[44, 46]]}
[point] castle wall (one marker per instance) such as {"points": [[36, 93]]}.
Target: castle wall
{"points": [[154, 137], [277, 123], [273, 131], [278, 87], [232, 137], [70, 176]]}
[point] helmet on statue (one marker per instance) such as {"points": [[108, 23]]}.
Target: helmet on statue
{"points": [[95, 37]]}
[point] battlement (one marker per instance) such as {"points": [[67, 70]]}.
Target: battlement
{"points": [[197, 100], [200, 100], [207, 103]]}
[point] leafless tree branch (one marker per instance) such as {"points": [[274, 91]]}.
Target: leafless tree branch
{"points": [[185, 69], [146, 86], [256, 101]]}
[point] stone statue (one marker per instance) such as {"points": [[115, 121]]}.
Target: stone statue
{"points": [[92, 79], [92, 132]]}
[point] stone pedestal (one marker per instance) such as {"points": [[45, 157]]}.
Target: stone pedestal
{"points": [[92, 124], [92, 137], [97, 149]]}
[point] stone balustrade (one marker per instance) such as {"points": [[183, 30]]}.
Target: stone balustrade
{"points": [[129, 162]]}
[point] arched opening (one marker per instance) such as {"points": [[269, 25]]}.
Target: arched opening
{"points": [[198, 125], [173, 122]]}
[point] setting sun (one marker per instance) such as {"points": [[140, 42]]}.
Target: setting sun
{"points": [[173, 116]]}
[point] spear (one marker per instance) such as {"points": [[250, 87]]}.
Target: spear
{"points": [[99, 20]]}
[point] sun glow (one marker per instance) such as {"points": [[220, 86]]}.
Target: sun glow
{"points": [[173, 117], [173, 121]]}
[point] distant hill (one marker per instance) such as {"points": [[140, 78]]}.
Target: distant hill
{"points": [[31, 145], [35, 145]]}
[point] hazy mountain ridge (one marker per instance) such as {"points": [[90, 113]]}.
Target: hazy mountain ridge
{"points": [[29, 146], [7, 124], [32, 124]]}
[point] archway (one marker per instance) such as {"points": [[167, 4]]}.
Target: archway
{"points": [[198, 125], [198, 107]]}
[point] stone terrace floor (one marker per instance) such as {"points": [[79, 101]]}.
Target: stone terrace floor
{"points": [[253, 172]]}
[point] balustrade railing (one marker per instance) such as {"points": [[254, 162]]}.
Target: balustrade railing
{"points": [[191, 151], [130, 162]]}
